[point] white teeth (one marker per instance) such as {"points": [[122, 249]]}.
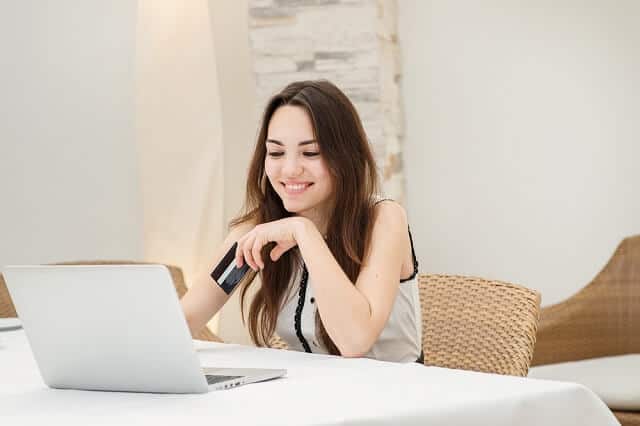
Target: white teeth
{"points": [[296, 187]]}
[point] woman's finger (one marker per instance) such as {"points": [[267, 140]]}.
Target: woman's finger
{"points": [[280, 249], [239, 258], [246, 251], [276, 252], [256, 252]]}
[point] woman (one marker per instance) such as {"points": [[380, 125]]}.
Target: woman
{"points": [[337, 266]]}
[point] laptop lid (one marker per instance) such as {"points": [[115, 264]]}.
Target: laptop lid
{"points": [[106, 327]]}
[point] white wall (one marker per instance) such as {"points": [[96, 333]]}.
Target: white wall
{"points": [[522, 136], [68, 183], [69, 171], [229, 20]]}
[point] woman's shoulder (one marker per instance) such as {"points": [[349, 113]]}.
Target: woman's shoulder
{"points": [[389, 212]]}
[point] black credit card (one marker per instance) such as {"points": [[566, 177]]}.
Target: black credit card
{"points": [[226, 273]]}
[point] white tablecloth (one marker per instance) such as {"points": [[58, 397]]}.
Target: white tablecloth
{"points": [[318, 389]]}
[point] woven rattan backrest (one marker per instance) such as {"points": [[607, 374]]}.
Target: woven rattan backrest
{"points": [[175, 271], [476, 324], [7, 310], [602, 319], [276, 342]]}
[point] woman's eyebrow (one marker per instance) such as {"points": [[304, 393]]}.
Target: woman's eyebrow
{"points": [[309, 142]]}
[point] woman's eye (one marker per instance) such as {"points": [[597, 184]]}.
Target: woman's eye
{"points": [[276, 154], [310, 154]]}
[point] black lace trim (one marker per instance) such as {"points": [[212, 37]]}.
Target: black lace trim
{"points": [[298, 318], [415, 261]]}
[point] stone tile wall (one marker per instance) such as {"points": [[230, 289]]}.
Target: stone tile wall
{"points": [[352, 43]]}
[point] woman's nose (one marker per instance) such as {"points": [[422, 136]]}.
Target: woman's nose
{"points": [[292, 166]]}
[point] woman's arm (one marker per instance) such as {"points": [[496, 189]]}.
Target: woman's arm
{"points": [[205, 297], [354, 316]]}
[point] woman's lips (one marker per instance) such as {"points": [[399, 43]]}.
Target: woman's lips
{"points": [[296, 188]]}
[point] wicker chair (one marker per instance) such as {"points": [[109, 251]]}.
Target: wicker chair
{"points": [[602, 319], [276, 342], [8, 310], [476, 324]]}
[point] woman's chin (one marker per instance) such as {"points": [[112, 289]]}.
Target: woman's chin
{"points": [[293, 207]]}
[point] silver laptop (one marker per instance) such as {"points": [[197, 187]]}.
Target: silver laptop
{"points": [[114, 328]]}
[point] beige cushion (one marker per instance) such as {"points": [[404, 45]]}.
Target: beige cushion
{"points": [[615, 379]]}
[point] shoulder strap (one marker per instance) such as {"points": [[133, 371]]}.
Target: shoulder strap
{"points": [[383, 199], [415, 260], [413, 251]]}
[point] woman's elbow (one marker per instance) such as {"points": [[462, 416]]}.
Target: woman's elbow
{"points": [[353, 354], [356, 348], [191, 323]]}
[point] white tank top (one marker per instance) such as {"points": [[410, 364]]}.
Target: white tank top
{"points": [[401, 337]]}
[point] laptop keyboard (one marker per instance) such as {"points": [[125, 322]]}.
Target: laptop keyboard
{"points": [[211, 379]]}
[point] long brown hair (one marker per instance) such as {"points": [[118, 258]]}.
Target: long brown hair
{"points": [[346, 151]]}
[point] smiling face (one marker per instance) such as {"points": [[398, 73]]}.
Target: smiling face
{"points": [[294, 165]]}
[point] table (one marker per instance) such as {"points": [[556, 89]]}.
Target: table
{"points": [[319, 389]]}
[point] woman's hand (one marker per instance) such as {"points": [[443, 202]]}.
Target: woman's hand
{"points": [[283, 232]]}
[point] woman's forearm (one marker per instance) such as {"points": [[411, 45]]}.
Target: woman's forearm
{"points": [[345, 311]]}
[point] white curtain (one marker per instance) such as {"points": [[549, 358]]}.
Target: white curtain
{"points": [[179, 134]]}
